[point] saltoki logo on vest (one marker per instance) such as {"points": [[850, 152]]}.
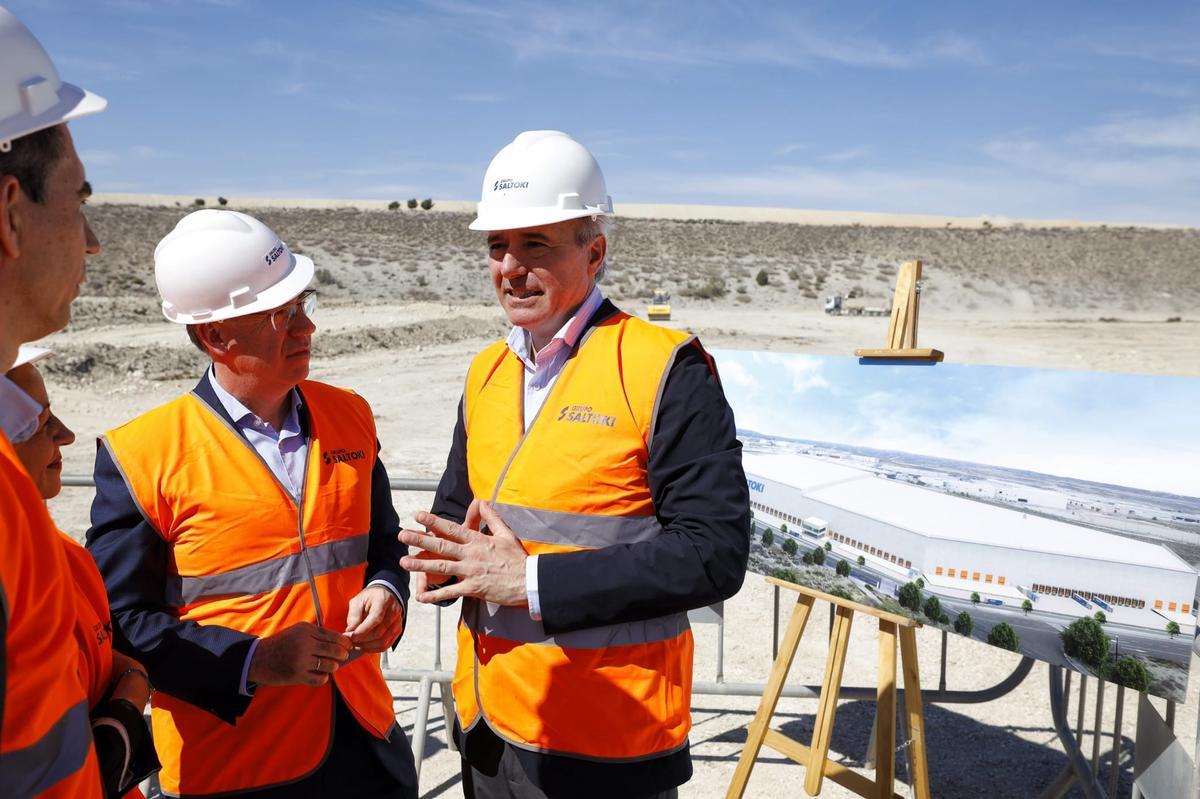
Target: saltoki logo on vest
{"points": [[331, 456], [583, 414]]}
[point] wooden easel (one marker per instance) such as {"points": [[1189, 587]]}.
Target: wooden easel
{"points": [[902, 330], [815, 757]]}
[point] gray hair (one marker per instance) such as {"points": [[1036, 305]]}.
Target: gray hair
{"points": [[587, 229]]}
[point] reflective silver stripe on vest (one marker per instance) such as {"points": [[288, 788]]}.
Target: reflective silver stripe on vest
{"points": [[270, 575], [577, 529], [57, 755], [514, 624]]}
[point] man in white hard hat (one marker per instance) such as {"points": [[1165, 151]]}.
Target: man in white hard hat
{"points": [[247, 538], [45, 738], [594, 494]]}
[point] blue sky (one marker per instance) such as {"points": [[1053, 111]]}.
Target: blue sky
{"points": [[1139, 431], [1084, 110]]}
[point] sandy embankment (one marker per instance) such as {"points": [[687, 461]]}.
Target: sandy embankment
{"points": [[407, 352]]}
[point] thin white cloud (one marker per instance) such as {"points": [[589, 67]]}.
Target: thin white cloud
{"points": [[1181, 131], [852, 154]]}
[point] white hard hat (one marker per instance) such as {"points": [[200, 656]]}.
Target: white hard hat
{"points": [[542, 177], [32, 96], [220, 264]]}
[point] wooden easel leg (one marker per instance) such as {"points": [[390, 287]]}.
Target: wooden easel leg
{"points": [[827, 709], [915, 712], [766, 708], [885, 711]]}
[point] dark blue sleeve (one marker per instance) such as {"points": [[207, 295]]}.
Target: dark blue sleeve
{"points": [[200, 664], [384, 549], [454, 495], [702, 501]]}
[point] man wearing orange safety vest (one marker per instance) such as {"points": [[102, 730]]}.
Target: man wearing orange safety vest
{"points": [[599, 454], [247, 539], [45, 736]]}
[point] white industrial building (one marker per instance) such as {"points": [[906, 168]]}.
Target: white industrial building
{"points": [[960, 546]]}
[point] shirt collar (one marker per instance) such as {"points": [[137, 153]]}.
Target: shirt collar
{"points": [[238, 411], [19, 412], [520, 341]]}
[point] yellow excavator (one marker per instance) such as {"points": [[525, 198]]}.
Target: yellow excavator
{"points": [[659, 309]]}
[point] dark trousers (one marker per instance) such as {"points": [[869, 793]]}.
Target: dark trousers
{"points": [[499, 771], [359, 766]]}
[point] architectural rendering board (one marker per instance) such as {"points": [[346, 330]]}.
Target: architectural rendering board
{"points": [[1054, 513]]}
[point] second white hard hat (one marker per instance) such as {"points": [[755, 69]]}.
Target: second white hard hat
{"points": [[32, 96], [220, 264], [542, 177]]}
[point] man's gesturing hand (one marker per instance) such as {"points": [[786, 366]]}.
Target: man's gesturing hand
{"points": [[303, 654], [489, 566], [375, 619]]}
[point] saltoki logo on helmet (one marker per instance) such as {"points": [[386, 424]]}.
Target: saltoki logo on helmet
{"points": [[505, 184], [274, 254]]}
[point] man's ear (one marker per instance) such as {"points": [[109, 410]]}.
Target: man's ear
{"points": [[596, 252], [213, 339], [11, 198]]}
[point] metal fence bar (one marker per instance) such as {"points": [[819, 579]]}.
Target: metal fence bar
{"points": [[1114, 770], [1079, 764]]}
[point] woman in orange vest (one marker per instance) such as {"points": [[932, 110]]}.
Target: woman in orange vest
{"points": [[117, 686]]}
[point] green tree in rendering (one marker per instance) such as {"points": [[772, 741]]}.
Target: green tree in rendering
{"points": [[786, 574], [862, 561], [843, 568], [783, 527], [828, 547], [910, 596], [932, 608], [1173, 628], [789, 546], [975, 597], [963, 624], [1130, 672], [920, 582], [1026, 606], [1100, 617], [1004, 636], [1085, 639], [807, 558], [818, 556], [944, 619], [768, 538]]}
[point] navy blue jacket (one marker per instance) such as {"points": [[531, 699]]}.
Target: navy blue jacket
{"points": [[702, 501], [200, 664]]}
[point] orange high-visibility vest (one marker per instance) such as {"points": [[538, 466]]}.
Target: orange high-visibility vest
{"points": [[45, 736], [243, 556], [577, 480], [93, 623]]}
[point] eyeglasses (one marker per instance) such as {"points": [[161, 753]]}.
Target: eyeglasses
{"points": [[283, 316]]}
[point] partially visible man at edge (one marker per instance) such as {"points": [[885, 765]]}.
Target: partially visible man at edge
{"points": [[247, 539], [45, 736], [600, 454]]}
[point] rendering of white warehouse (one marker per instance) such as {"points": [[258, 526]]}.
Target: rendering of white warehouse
{"points": [[960, 546]]}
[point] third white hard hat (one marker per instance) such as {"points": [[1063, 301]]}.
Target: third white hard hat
{"points": [[32, 96], [220, 264], [543, 176]]}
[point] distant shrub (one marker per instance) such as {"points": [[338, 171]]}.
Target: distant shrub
{"points": [[783, 528], [1130, 672], [394, 205], [789, 546], [975, 597], [198, 202], [963, 625], [324, 276], [1085, 639], [862, 561], [221, 201], [1173, 628], [426, 204], [920, 582], [943, 619], [785, 574], [807, 558], [412, 203], [910, 596], [818, 556], [828, 547], [711, 289], [768, 537], [932, 608], [843, 568], [762, 278], [1100, 617], [1026, 606], [1004, 636]]}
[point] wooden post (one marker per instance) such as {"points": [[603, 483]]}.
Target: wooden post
{"points": [[902, 327], [815, 758]]}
